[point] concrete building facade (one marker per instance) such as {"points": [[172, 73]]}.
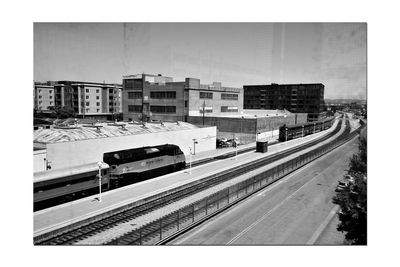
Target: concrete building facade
{"points": [[248, 128], [297, 98], [85, 98], [155, 97], [43, 96]]}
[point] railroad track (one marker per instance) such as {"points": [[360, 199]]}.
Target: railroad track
{"points": [[74, 235]]}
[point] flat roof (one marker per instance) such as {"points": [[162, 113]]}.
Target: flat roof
{"points": [[283, 84], [252, 114], [89, 131]]}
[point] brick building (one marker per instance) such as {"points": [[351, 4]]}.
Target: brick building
{"points": [[156, 97], [297, 98]]}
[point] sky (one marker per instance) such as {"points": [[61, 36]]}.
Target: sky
{"points": [[234, 54]]}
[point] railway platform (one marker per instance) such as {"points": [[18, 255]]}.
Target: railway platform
{"points": [[62, 216]]}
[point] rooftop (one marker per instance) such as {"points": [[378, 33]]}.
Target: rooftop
{"points": [[254, 113], [83, 131]]}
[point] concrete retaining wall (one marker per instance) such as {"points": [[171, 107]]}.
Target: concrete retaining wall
{"points": [[39, 160]]}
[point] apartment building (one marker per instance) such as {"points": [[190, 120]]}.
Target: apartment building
{"points": [[156, 97], [296, 98], [43, 96], [85, 98]]}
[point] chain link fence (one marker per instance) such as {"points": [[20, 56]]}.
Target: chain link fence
{"points": [[185, 217]]}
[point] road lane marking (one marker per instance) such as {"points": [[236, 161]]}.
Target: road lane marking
{"points": [[265, 190], [275, 208], [267, 214], [323, 225]]}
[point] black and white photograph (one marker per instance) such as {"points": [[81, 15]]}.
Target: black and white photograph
{"points": [[200, 134]]}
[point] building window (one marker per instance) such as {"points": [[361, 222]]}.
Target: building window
{"points": [[51, 103], [186, 103], [163, 94], [50, 97], [133, 84], [39, 91], [163, 109], [206, 109], [229, 96], [97, 97], [87, 97], [134, 108], [40, 96], [97, 91], [205, 95], [135, 95], [87, 90], [87, 110], [50, 91], [98, 110], [40, 102], [98, 104], [87, 103], [229, 109]]}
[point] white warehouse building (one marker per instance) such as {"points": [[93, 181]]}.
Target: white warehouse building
{"points": [[67, 146]]}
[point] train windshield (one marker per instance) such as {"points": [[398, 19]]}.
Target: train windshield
{"points": [[151, 150]]}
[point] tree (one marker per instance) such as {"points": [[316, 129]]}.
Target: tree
{"points": [[65, 112], [352, 199]]}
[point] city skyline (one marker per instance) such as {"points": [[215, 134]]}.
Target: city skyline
{"points": [[235, 54]]}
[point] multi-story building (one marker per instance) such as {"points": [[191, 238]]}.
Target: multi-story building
{"points": [[85, 98], [43, 96], [156, 97], [297, 98]]}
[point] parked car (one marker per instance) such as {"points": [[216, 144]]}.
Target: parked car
{"points": [[223, 142], [342, 185]]}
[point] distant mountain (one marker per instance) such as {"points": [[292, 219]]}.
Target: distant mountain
{"points": [[344, 101]]}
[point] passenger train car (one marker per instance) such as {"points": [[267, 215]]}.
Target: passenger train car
{"points": [[119, 168], [55, 187], [292, 132], [137, 164]]}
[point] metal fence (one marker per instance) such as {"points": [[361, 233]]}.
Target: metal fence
{"points": [[185, 217]]}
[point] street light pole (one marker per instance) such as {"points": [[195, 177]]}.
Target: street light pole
{"points": [[194, 145], [99, 164], [235, 150], [190, 160], [204, 110]]}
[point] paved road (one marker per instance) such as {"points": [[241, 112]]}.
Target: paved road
{"points": [[295, 210]]}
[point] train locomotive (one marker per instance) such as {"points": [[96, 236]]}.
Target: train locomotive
{"points": [[137, 164], [287, 133], [119, 168]]}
